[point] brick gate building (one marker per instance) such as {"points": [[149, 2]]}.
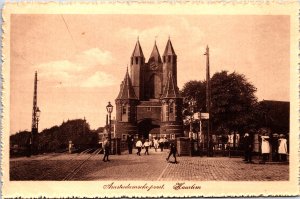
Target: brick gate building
{"points": [[149, 103]]}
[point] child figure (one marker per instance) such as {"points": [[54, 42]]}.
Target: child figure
{"points": [[146, 145]]}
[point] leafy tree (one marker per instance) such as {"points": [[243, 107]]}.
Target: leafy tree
{"points": [[232, 100], [196, 90], [57, 138]]}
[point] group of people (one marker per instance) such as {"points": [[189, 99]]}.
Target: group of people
{"points": [[139, 145], [275, 145], [161, 144], [156, 143]]}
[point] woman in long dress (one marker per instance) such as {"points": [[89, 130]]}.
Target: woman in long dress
{"points": [[265, 146], [282, 148], [155, 143]]}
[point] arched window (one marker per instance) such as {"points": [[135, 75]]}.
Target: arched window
{"points": [[154, 87], [171, 111]]}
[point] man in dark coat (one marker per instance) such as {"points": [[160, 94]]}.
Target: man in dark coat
{"points": [[173, 151], [248, 148], [106, 148], [130, 142]]}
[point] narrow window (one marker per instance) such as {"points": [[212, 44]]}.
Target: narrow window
{"points": [[171, 109], [169, 58], [148, 108], [124, 110], [136, 60]]}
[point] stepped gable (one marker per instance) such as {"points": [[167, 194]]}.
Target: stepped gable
{"points": [[171, 90], [127, 91]]}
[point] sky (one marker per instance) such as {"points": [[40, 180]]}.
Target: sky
{"points": [[82, 59]]}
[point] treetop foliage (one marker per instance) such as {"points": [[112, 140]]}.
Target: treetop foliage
{"points": [[57, 138], [232, 100]]}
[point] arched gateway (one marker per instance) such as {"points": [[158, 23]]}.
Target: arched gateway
{"points": [[149, 102], [148, 128]]}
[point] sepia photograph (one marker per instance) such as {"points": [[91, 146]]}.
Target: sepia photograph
{"points": [[141, 97]]}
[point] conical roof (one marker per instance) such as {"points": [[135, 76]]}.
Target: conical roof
{"points": [[137, 52], [126, 90], [155, 56], [169, 50], [171, 90]]}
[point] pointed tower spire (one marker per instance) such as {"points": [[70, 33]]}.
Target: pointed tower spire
{"points": [[169, 50], [155, 56], [127, 91], [169, 63], [171, 90], [137, 52]]}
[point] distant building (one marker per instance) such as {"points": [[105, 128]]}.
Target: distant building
{"points": [[275, 115], [149, 103]]}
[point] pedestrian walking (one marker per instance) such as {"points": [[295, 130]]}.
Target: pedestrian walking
{"points": [[173, 151], [248, 146], [161, 144], [282, 148], [166, 143], [146, 146], [130, 142], [106, 149], [156, 144], [265, 147], [139, 145]]}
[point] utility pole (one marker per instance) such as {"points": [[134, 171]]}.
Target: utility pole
{"points": [[208, 96], [35, 117]]}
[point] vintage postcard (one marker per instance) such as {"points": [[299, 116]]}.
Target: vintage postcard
{"points": [[150, 99]]}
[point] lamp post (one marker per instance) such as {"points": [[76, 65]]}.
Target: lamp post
{"points": [[109, 109]]}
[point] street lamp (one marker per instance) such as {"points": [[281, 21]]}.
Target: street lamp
{"points": [[109, 109]]}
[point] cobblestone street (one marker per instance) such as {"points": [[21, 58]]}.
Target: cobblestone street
{"points": [[145, 167]]}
